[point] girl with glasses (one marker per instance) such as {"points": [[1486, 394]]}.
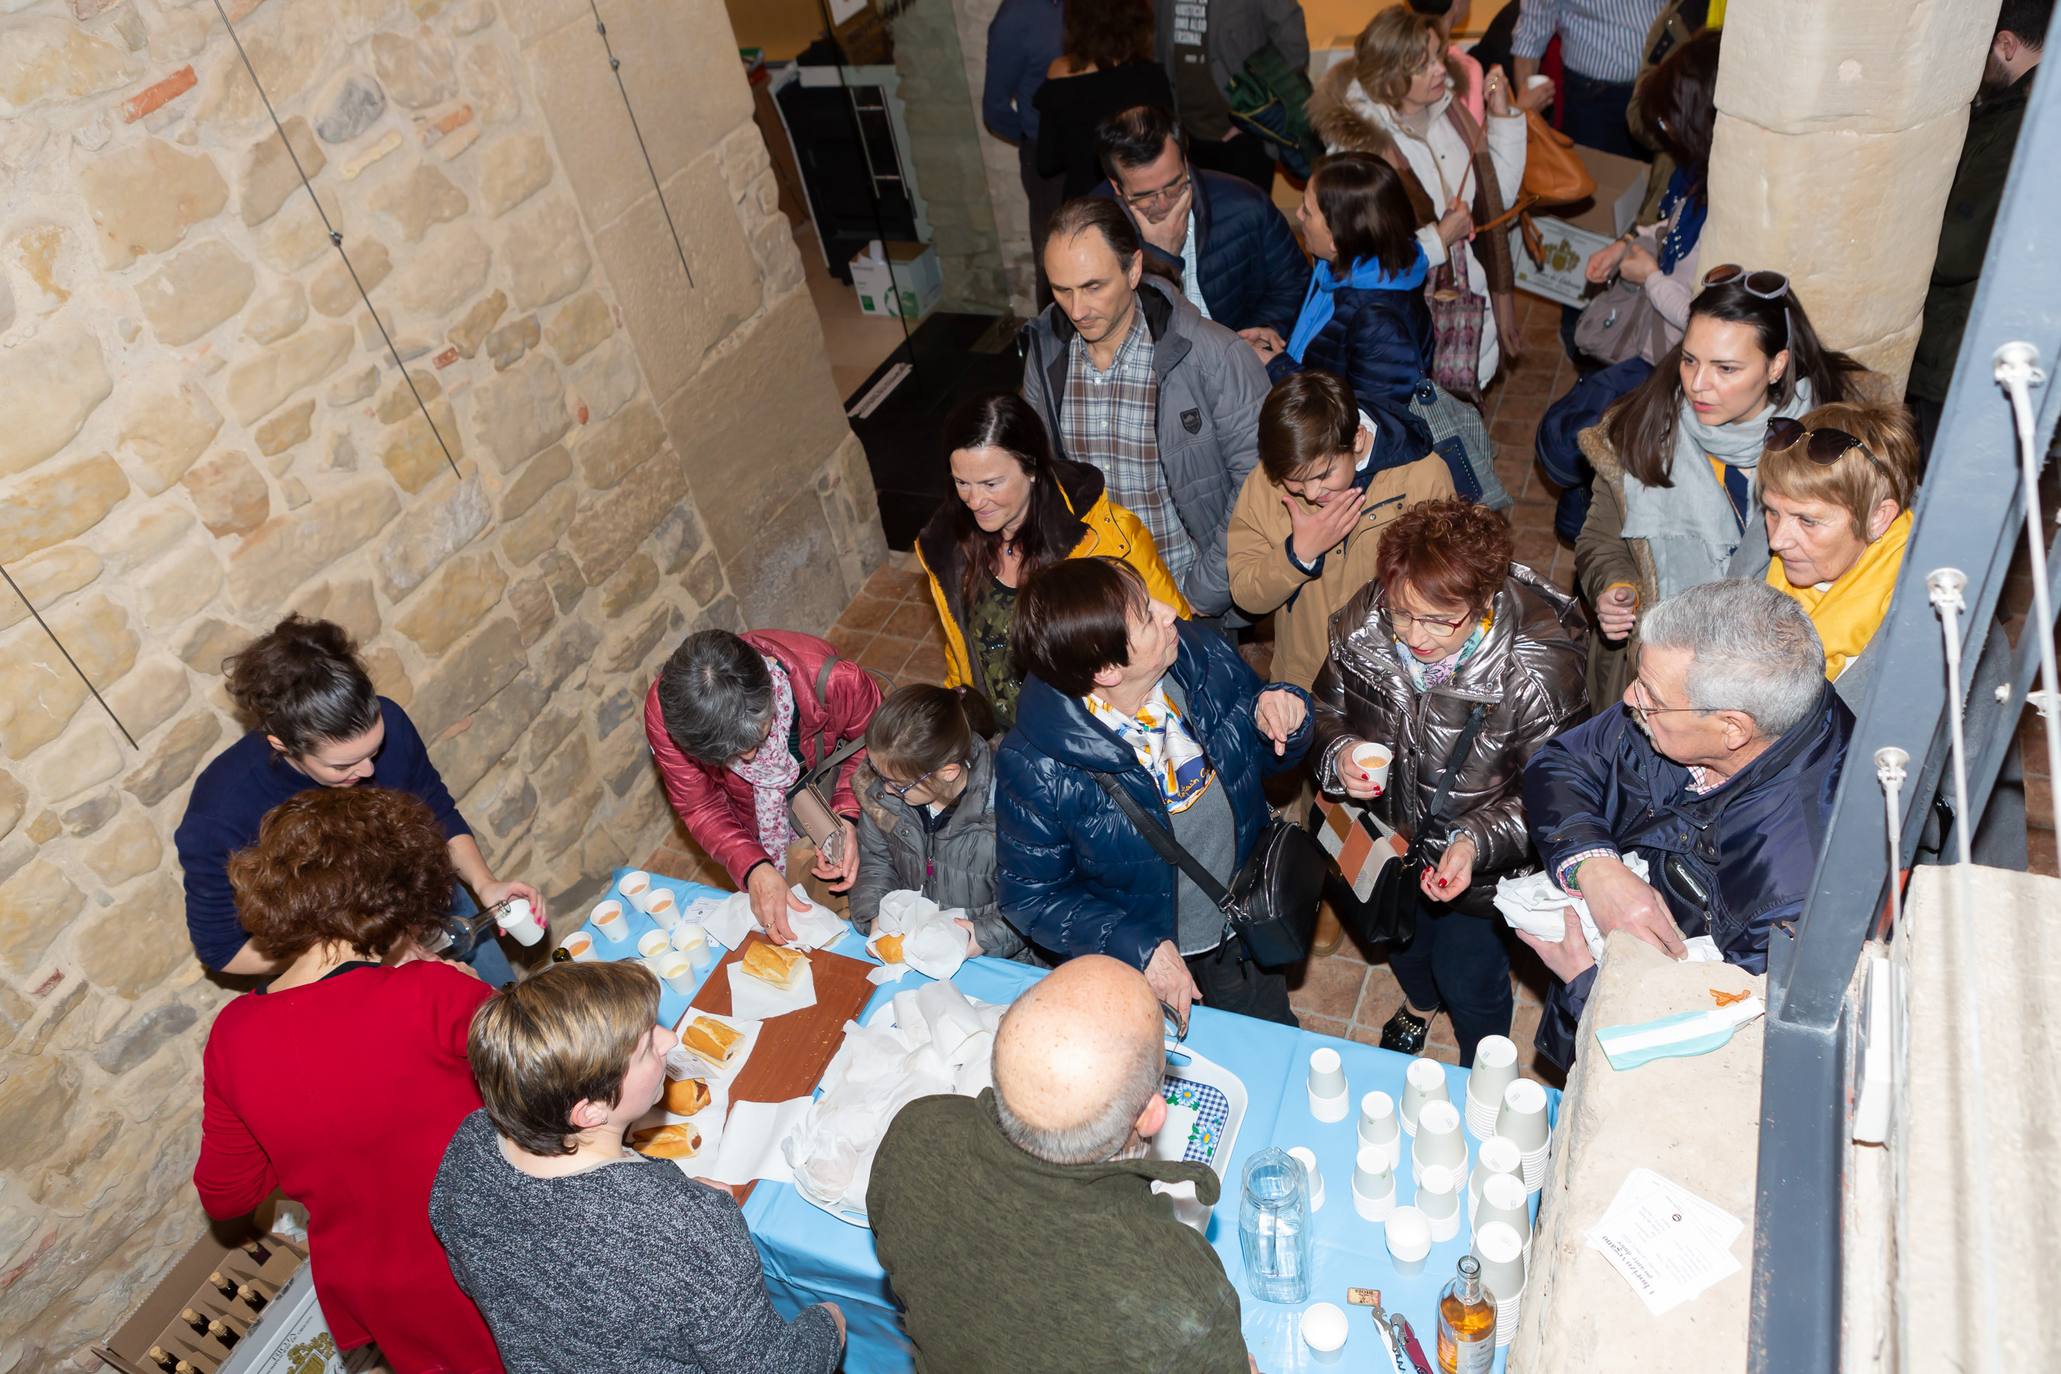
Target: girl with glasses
{"points": [[1450, 625], [1675, 459], [927, 814]]}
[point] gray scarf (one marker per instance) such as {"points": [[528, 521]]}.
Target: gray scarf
{"points": [[1691, 527]]}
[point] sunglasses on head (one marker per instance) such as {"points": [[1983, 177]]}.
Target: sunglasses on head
{"points": [[1767, 284], [1824, 447]]}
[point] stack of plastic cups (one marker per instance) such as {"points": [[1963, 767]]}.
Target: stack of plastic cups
{"points": [[1324, 1331], [1373, 1184], [1330, 1098], [1409, 1241], [1438, 1197], [1496, 1156], [1439, 1143], [1503, 1203], [1307, 1157], [1495, 1069], [1380, 1128], [1502, 1273], [1424, 1081], [1522, 1120]]}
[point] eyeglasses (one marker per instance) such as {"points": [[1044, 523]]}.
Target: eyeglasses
{"points": [[1167, 193], [1640, 711], [1403, 621], [901, 790], [1767, 284], [1825, 447], [1176, 1027]]}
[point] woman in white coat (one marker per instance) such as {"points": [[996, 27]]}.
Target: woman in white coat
{"points": [[1395, 99]]}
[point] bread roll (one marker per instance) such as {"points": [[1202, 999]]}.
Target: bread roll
{"points": [[888, 948], [686, 1096], [711, 1039], [677, 1141], [774, 964]]}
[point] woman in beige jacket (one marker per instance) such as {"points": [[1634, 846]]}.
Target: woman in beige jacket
{"points": [[1304, 529]]}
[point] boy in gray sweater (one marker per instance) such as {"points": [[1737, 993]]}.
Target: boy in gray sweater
{"points": [[581, 1254]]}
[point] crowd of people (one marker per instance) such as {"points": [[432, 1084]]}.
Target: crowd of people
{"points": [[1231, 444]]}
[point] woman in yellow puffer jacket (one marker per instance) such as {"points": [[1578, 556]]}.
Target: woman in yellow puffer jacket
{"points": [[1015, 509]]}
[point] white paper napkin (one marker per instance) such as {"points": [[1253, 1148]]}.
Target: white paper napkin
{"points": [[817, 927], [758, 1000], [750, 1147], [727, 921]]}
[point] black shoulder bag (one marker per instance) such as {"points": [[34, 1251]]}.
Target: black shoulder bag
{"points": [[1390, 911], [1271, 905]]}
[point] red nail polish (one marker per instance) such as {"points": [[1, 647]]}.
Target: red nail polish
{"points": [[1441, 882]]}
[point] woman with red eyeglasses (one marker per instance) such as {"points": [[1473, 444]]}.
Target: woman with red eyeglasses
{"points": [[1453, 658], [1675, 459]]}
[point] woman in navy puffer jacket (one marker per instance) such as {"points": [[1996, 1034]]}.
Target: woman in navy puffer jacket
{"points": [[1364, 316]]}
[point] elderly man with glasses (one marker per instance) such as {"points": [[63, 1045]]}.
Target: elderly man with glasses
{"points": [[1717, 769], [1222, 238]]}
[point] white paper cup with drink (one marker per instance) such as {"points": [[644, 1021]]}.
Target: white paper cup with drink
{"points": [[663, 907], [520, 919], [1373, 760], [652, 946], [692, 940], [579, 947], [608, 918], [678, 971], [635, 887]]}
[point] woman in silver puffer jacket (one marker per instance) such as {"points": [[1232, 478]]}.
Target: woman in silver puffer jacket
{"points": [[1449, 624]]}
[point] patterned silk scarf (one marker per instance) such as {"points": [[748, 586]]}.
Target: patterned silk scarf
{"points": [[1164, 744], [772, 771]]}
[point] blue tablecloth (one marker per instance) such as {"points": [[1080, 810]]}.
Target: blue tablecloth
{"points": [[812, 1257]]}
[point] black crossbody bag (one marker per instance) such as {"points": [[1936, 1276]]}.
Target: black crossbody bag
{"points": [[1390, 912], [1271, 905]]}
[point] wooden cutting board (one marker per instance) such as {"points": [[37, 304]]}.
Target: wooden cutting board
{"points": [[792, 1050]]}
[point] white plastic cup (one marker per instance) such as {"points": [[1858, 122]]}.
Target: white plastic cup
{"points": [[1424, 1081], [692, 941], [1505, 1202], [1307, 1157], [1409, 1240], [1534, 82], [635, 887], [520, 920], [1373, 1183], [1438, 1197], [1324, 1332], [608, 918], [1501, 1252], [1495, 1069], [651, 945], [1373, 760], [663, 907], [1497, 1155], [1522, 1117], [1438, 1138], [580, 946], [678, 971], [1329, 1097]]}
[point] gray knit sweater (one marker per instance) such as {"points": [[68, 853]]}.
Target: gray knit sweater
{"points": [[632, 1267]]}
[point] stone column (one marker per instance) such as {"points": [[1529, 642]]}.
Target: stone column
{"points": [[1839, 126], [945, 141], [998, 160]]}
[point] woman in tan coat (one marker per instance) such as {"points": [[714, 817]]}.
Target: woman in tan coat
{"points": [[1305, 528]]}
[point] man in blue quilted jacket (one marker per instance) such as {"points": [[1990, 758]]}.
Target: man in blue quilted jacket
{"points": [[1219, 236], [1120, 694], [1718, 769]]}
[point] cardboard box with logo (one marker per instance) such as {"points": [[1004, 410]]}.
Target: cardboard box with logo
{"points": [[1580, 229], [902, 279]]}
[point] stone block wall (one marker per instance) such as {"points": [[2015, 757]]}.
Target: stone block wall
{"points": [[945, 145], [204, 428], [1839, 127]]}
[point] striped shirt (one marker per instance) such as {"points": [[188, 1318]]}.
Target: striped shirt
{"points": [[1604, 40], [1110, 420]]}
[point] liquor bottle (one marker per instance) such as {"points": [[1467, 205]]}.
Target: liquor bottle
{"points": [[162, 1358], [251, 1297], [229, 1335], [1466, 1323], [189, 1367], [194, 1320], [257, 1251], [221, 1285]]}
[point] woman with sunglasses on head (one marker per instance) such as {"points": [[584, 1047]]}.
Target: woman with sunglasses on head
{"points": [[1835, 490], [1675, 459], [1450, 627], [927, 814], [1015, 509]]}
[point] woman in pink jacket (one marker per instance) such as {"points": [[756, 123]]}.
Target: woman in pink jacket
{"points": [[734, 722]]}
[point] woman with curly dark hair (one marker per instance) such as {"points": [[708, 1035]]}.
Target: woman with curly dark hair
{"points": [[1450, 633], [317, 723], [341, 1081], [1106, 65]]}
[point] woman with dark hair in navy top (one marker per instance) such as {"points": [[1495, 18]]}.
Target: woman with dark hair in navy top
{"points": [[319, 724]]}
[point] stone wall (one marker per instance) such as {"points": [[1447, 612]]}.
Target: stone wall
{"points": [[204, 428], [945, 139], [1839, 126], [1010, 210]]}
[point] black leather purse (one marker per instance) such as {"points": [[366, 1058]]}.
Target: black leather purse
{"points": [[1271, 905]]}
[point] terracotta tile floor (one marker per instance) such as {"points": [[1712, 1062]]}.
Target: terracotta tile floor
{"points": [[892, 627]]}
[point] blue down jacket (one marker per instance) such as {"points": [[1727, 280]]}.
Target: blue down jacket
{"points": [[1729, 865], [1379, 339], [1071, 871], [1252, 269]]}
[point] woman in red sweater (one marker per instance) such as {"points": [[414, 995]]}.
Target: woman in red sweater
{"points": [[341, 1082]]}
